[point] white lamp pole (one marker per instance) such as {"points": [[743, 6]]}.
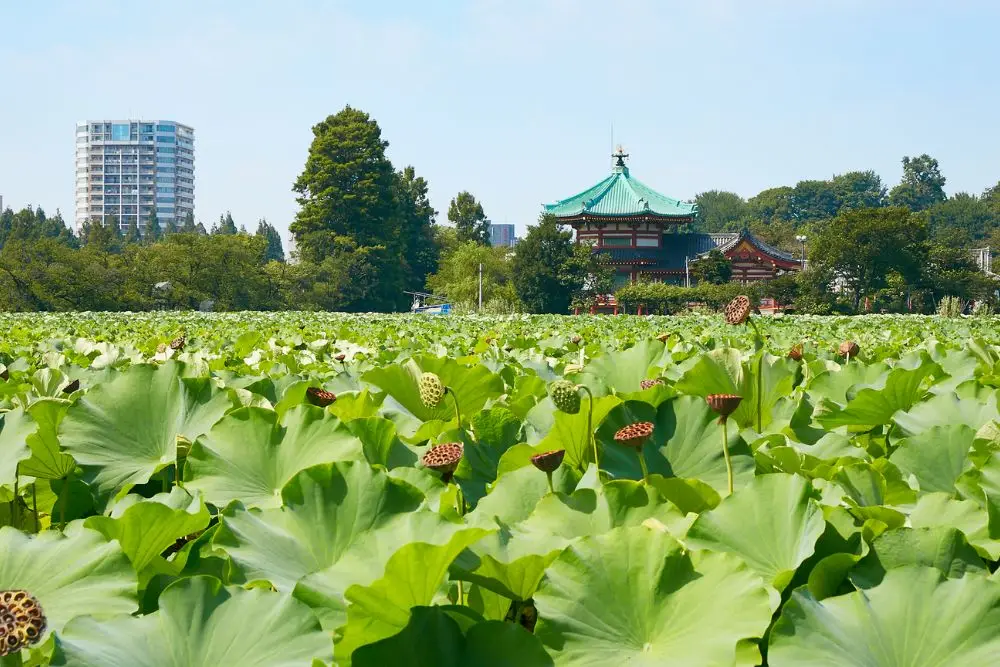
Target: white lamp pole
{"points": [[802, 240]]}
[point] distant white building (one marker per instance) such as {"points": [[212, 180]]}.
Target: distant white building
{"points": [[984, 259], [129, 168], [502, 235]]}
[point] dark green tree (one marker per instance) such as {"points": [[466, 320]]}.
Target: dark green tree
{"points": [[720, 211], [859, 189], [711, 268], [548, 269], [226, 226], [964, 212], [274, 250], [922, 185], [469, 219], [863, 248], [170, 227], [346, 187], [813, 200], [771, 204], [417, 228], [152, 231], [132, 234], [189, 227]]}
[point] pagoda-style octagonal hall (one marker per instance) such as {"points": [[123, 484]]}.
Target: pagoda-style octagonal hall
{"points": [[645, 234]]}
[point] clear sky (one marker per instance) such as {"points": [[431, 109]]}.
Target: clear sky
{"points": [[513, 100]]}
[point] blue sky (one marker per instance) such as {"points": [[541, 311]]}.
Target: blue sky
{"points": [[513, 100]]}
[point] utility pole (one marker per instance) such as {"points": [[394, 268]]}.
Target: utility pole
{"points": [[687, 273], [802, 240], [480, 287]]}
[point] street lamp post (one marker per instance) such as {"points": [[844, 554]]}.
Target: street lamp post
{"points": [[802, 240]]}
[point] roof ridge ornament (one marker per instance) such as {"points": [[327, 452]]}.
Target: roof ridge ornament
{"points": [[619, 155]]}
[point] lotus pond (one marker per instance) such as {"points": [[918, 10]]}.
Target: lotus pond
{"points": [[215, 490]]}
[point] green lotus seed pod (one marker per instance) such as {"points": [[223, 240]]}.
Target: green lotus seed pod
{"points": [[431, 390], [565, 396]]}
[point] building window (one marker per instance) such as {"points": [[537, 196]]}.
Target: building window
{"points": [[120, 132], [166, 128], [166, 149], [147, 127], [166, 160], [166, 140], [618, 241], [645, 242]]}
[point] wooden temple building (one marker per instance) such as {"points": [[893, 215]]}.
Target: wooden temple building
{"points": [[646, 234]]}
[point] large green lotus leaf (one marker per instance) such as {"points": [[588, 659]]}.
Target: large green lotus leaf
{"points": [[873, 406], [772, 523], [249, 455], [915, 617], [686, 442], [514, 495], [622, 371], [330, 513], [506, 563], [569, 432], [125, 430], [473, 386], [723, 371], [72, 573], [413, 577], [47, 460], [146, 527], [943, 548], [433, 638], [634, 596], [837, 384], [200, 623], [497, 430], [15, 428], [937, 457], [946, 409], [380, 443], [942, 510]]}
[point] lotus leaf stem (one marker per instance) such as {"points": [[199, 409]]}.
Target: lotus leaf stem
{"points": [[758, 343], [34, 505], [642, 464], [458, 413], [62, 499], [548, 474], [15, 509], [590, 423], [725, 452]]}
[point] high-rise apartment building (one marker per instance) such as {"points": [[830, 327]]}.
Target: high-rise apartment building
{"points": [[502, 235], [129, 168]]}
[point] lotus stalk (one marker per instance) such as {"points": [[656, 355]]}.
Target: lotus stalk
{"points": [[724, 405], [738, 312], [566, 397]]}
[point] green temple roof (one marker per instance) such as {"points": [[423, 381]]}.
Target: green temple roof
{"points": [[618, 196]]}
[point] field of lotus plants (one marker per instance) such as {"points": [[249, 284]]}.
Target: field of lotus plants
{"points": [[253, 489]]}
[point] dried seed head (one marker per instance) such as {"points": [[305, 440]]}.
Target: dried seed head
{"points": [[738, 310], [320, 397], [796, 352], [431, 390], [723, 404], [178, 343], [548, 461], [22, 621], [848, 347], [340, 357], [565, 396], [663, 337], [649, 384], [634, 435], [4, 375], [576, 340], [71, 387], [161, 348], [443, 458]]}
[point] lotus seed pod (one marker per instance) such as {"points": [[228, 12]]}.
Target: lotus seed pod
{"points": [[340, 357], [572, 368], [649, 384], [178, 343], [795, 353], [738, 310], [548, 461], [161, 348], [634, 435], [576, 340], [22, 621], [443, 458], [565, 396], [71, 387], [848, 348], [320, 397], [723, 404], [431, 390]]}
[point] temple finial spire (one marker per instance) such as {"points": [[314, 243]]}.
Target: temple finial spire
{"points": [[619, 155]]}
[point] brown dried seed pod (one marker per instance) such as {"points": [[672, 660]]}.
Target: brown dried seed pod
{"points": [[738, 310], [634, 435], [649, 384], [548, 461], [723, 404], [795, 353], [443, 458], [848, 348], [320, 397]]}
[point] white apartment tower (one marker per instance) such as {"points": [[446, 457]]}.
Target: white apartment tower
{"points": [[129, 168]]}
